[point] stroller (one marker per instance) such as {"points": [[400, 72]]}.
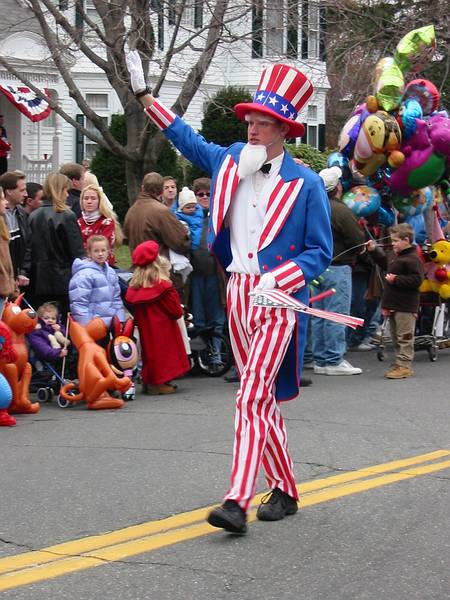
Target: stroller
{"points": [[432, 330], [46, 382]]}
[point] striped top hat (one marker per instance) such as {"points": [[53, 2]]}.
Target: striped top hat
{"points": [[282, 92]]}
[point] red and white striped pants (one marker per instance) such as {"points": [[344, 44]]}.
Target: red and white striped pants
{"points": [[259, 338]]}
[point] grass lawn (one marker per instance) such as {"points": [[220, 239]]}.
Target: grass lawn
{"points": [[123, 257]]}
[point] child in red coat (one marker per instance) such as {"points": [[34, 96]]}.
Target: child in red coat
{"points": [[157, 308]]}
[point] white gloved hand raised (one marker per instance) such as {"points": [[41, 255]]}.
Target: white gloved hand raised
{"points": [[134, 66], [267, 282]]}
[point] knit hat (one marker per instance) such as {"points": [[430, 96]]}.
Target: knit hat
{"points": [[185, 197], [331, 177], [145, 253]]}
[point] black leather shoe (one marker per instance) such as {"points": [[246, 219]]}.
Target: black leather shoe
{"points": [[305, 382], [229, 516], [276, 505]]}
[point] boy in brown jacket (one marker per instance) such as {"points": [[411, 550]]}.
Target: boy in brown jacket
{"points": [[400, 301]]}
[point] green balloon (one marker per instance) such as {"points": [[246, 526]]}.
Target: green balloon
{"points": [[415, 49]]}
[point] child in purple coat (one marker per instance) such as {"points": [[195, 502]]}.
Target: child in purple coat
{"points": [[49, 340]]}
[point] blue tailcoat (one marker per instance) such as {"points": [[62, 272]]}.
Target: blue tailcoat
{"points": [[296, 233]]}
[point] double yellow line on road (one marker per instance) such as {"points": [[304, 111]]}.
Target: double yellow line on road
{"points": [[85, 553]]}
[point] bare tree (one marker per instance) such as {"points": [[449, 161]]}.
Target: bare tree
{"points": [[360, 32], [102, 40]]}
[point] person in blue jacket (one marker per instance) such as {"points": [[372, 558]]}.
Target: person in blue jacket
{"points": [[94, 289], [269, 227], [191, 213]]}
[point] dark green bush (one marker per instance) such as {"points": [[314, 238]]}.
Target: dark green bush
{"points": [[220, 125], [110, 169]]}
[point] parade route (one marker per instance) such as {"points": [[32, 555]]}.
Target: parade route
{"points": [[94, 551], [127, 492]]}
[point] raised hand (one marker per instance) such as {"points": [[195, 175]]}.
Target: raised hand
{"points": [[134, 66]]}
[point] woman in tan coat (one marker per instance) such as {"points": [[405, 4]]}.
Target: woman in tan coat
{"points": [[7, 284]]}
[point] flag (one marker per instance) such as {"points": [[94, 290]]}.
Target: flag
{"points": [[278, 299], [32, 106]]}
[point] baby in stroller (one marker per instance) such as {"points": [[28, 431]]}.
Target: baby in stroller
{"points": [[48, 347]]}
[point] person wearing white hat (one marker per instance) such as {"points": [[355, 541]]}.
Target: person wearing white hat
{"points": [[328, 338], [269, 228]]}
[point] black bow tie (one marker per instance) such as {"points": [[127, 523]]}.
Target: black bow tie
{"points": [[266, 168]]}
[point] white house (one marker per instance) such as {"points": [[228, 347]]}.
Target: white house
{"points": [[290, 34]]}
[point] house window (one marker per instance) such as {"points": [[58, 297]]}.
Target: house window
{"points": [[198, 14], [257, 28], [93, 16], [313, 30], [292, 29], [312, 112], [97, 101], [312, 137], [159, 10], [191, 15], [275, 28], [85, 147], [90, 147], [50, 120]]}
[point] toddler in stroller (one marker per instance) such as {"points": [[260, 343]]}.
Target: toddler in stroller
{"points": [[49, 349]]}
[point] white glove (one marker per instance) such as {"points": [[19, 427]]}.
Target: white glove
{"points": [[134, 66], [267, 282]]}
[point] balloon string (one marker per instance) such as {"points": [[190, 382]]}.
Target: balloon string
{"points": [[360, 245]]}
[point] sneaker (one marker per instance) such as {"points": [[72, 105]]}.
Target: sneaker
{"points": [[276, 505], [230, 516], [232, 376], [319, 370], [343, 368], [399, 372], [363, 347]]}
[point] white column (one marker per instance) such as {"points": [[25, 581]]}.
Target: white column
{"points": [[57, 154]]}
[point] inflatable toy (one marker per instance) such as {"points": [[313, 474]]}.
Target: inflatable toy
{"points": [[362, 200], [386, 216], [18, 375], [350, 131], [379, 138], [336, 159], [437, 272], [425, 93], [122, 352], [415, 50], [415, 204], [422, 166], [388, 84], [95, 374], [9, 355]]}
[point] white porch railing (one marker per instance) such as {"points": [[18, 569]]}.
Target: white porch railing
{"points": [[37, 170]]}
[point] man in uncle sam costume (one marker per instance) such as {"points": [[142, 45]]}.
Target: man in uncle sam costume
{"points": [[269, 228]]}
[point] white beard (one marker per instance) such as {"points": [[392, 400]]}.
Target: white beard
{"points": [[252, 158]]}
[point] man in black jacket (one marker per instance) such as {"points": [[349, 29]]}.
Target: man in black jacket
{"points": [[77, 175], [14, 188], [329, 343]]}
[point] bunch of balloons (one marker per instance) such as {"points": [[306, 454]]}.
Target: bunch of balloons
{"points": [[399, 139]]}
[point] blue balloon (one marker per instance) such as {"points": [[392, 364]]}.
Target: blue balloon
{"points": [[386, 216], [336, 159], [362, 200]]}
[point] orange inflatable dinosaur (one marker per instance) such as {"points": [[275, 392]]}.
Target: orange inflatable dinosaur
{"points": [[94, 371], [18, 374]]}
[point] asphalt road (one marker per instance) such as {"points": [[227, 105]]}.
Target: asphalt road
{"points": [[382, 533]]}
